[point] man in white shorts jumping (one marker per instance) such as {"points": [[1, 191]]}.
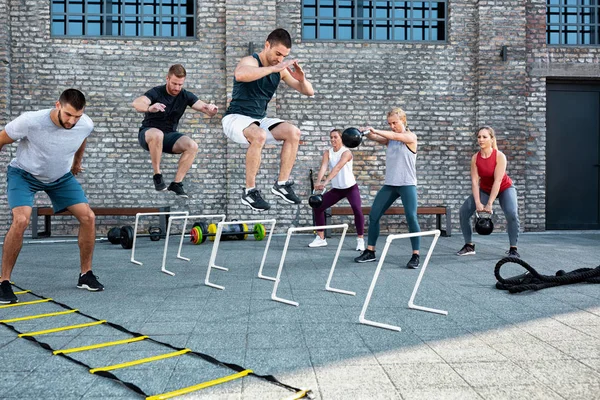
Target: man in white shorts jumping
{"points": [[255, 81]]}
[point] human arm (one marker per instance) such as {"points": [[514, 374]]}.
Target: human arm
{"points": [[248, 70], [296, 79], [320, 185], [208, 109], [5, 139], [382, 136], [78, 158], [346, 156], [475, 184], [499, 172], [144, 104]]}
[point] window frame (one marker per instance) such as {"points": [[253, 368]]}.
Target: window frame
{"points": [[106, 19], [392, 21], [563, 29]]}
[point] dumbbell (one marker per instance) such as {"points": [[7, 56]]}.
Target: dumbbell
{"points": [[124, 235], [230, 232]]}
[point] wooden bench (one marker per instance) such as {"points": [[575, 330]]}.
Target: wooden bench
{"points": [[438, 211], [48, 212]]}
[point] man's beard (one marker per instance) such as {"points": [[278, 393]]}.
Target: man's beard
{"points": [[60, 121]]}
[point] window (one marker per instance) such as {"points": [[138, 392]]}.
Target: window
{"points": [[374, 20], [572, 22], [145, 18]]}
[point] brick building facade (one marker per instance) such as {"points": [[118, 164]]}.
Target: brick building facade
{"points": [[447, 89]]}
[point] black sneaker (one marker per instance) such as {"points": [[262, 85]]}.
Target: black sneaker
{"points": [[177, 188], [414, 262], [90, 282], [512, 252], [254, 200], [159, 183], [7, 296], [466, 250], [286, 192], [366, 256]]}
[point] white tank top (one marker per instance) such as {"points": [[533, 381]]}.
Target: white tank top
{"points": [[345, 178]]}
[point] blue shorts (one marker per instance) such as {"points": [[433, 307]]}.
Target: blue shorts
{"points": [[169, 139], [22, 187]]}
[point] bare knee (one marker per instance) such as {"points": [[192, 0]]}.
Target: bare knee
{"points": [[154, 136], [88, 218], [19, 223], [293, 135], [256, 137]]}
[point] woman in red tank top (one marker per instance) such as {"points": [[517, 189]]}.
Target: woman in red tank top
{"points": [[488, 182]]}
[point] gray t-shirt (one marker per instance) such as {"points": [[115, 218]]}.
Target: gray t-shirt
{"points": [[46, 150]]}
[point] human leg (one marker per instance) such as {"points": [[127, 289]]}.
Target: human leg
{"points": [[408, 194], [508, 203], [330, 198], [383, 200], [188, 149]]}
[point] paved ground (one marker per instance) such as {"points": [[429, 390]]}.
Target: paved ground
{"points": [[491, 345]]}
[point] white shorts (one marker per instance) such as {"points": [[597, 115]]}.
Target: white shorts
{"points": [[234, 125]]}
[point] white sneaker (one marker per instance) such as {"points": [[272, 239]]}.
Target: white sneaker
{"points": [[360, 244], [318, 242]]}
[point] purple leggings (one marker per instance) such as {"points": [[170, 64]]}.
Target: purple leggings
{"points": [[334, 195]]}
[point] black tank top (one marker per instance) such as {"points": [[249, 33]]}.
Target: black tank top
{"points": [[251, 98]]}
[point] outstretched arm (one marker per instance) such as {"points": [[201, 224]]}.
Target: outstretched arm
{"points": [[208, 109], [325, 160], [475, 184], [144, 104], [78, 158], [346, 156], [248, 70], [296, 79], [5, 139]]}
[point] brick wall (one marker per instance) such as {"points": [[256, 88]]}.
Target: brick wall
{"points": [[447, 89]]}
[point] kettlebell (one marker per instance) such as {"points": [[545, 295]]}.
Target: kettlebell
{"points": [[484, 225], [352, 137], [316, 200]]}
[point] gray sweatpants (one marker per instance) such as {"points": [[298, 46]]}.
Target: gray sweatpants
{"points": [[508, 203]]}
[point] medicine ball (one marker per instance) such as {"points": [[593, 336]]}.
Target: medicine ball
{"points": [[484, 225]]}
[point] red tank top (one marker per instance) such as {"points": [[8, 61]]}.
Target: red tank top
{"points": [[485, 169]]}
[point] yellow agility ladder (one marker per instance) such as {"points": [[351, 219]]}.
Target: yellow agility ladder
{"points": [[240, 372]]}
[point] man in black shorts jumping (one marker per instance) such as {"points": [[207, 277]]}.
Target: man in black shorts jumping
{"points": [[163, 107]]}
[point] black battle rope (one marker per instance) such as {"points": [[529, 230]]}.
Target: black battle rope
{"points": [[129, 385], [532, 280]]}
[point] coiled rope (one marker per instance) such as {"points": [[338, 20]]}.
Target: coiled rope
{"points": [[532, 280]]}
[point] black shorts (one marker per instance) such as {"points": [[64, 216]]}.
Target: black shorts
{"points": [[169, 140]]}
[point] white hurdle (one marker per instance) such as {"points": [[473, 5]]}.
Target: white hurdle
{"points": [[337, 254], [213, 255], [388, 242], [137, 218], [185, 220]]}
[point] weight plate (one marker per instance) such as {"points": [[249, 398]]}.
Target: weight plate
{"points": [[212, 229], [244, 229], [127, 237], [259, 232]]}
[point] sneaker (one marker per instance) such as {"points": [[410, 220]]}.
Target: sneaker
{"points": [[366, 256], [286, 192], [512, 252], [254, 200], [90, 282], [466, 250], [360, 244], [414, 262], [159, 183], [7, 296], [177, 188], [318, 242]]}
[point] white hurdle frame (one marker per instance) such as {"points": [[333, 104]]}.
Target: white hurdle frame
{"points": [[388, 242], [137, 218], [213, 255], [185, 220], [337, 254]]}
